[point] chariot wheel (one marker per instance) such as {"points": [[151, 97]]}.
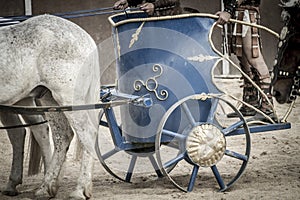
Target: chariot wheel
{"points": [[119, 159], [203, 149]]}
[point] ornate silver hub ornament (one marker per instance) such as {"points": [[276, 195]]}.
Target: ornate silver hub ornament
{"points": [[205, 145]]}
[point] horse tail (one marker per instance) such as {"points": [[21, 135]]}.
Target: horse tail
{"points": [[35, 156]]}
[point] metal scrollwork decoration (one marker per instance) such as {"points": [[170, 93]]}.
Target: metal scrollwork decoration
{"points": [[151, 84]]}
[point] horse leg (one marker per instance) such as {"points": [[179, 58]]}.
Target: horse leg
{"points": [[62, 136], [17, 139], [85, 123], [41, 144], [41, 135], [84, 182]]}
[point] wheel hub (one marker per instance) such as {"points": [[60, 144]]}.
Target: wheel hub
{"points": [[205, 145]]}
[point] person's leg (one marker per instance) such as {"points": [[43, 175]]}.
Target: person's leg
{"points": [[261, 70], [250, 93]]}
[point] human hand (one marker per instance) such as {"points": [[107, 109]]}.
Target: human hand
{"points": [[120, 5], [239, 2], [223, 17], [148, 8]]}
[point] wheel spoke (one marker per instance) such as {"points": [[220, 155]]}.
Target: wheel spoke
{"points": [[188, 114], [218, 177], [232, 128], [130, 169], [211, 115], [173, 134], [155, 166], [109, 154], [174, 161], [236, 155], [193, 178]]}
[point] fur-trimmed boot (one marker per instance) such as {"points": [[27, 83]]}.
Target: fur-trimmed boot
{"points": [[265, 106]]}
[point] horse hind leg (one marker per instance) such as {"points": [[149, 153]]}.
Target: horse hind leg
{"points": [[85, 124], [17, 139], [40, 144], [41, 137], [62, 136], [84, 182]]}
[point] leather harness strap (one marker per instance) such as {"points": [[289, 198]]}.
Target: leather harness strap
{"points": [[38, 110], [23, 125]]}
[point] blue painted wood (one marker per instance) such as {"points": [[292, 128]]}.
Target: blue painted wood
{"points": [[262, 128]]}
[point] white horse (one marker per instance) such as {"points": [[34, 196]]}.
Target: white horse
{"points": [[54, 60]]}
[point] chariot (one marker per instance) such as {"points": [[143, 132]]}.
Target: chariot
{"points": [[177, 121]]}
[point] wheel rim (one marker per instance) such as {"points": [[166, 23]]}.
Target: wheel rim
{"points": [[187, 148]]}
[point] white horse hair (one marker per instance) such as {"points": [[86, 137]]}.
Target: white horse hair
{"points": [[54, 60]]}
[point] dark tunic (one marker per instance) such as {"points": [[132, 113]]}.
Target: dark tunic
{"points": [[162, 7], [238, 12], [230, 5]]}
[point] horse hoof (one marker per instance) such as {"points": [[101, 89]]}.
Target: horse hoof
{"points": [[77, 195], [10, 193], [42, 193]]}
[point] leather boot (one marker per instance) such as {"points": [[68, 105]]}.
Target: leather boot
{"points": [[250, 96], [265, 107]]}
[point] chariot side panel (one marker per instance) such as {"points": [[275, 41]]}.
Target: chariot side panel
{"points": [[168, 58]]}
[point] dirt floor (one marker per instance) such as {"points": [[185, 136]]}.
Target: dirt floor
{"points": [[273, 172]]}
